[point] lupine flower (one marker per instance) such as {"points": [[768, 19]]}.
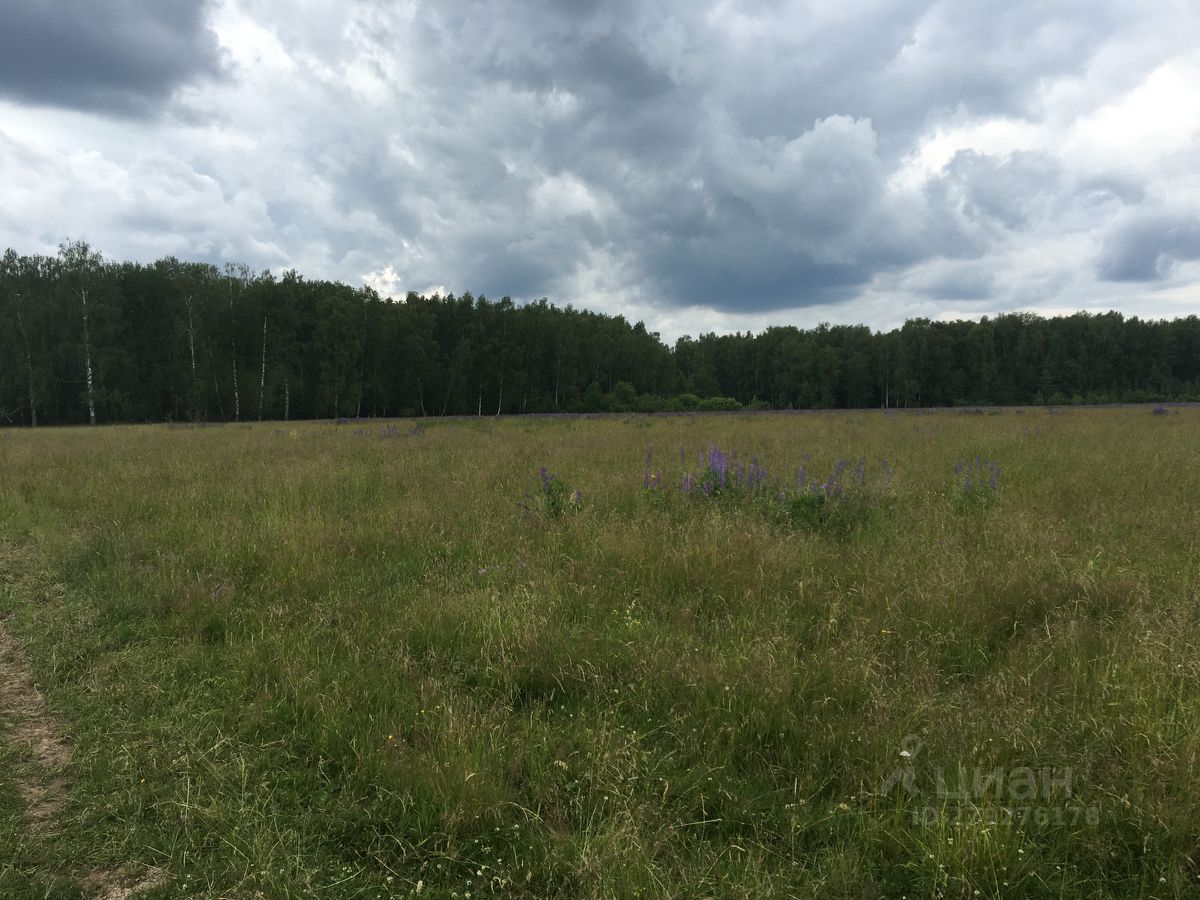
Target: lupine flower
{"points": [[722, 474], [651, 481], [978, 480]]}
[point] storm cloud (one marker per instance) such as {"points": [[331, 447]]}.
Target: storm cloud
{"points": [[696, 164], [1149, 247], [108, 56]]}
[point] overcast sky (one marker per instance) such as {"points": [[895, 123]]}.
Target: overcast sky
{"points": [[698, 165]]}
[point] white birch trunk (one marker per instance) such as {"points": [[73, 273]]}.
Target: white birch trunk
{"points": [[262, 379], [87, 354], [195, 392], [191, 336], [237, 398]]}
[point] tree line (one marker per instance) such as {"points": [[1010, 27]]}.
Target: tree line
{"points": [[84, 339]]}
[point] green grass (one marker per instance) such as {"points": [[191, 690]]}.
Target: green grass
{"points": [[282, 671]]}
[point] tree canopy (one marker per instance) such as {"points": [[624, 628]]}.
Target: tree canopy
{"points": [[177, 341]]}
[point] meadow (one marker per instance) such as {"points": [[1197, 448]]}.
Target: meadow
{"points": [[379, 659]]}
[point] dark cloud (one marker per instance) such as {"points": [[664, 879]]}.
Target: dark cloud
{"points": [[745, 158], [958, 282], [747, 148], [1148, 247], [122, 57]]}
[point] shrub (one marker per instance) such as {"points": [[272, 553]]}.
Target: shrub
{"points": [[718, 404], [555, 499]]}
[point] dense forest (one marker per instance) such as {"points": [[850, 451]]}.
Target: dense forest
{"points": [[84, 339]]}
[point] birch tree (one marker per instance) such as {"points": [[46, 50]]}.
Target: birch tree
{"points": [[262, 378], [82, 267], [237, 275]]}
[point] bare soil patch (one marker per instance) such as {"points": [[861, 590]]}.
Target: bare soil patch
{"points": [[27, 724], [120, 886]]}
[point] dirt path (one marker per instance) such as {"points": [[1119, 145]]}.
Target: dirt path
{"points": [[27, 724]]}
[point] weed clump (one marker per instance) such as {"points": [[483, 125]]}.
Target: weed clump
{"points": [[841, 504], [977, 484], [554, 500]]}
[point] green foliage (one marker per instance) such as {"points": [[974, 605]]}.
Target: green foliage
{"points": [[624, 396], [844, 517], [557, 497], [178, 341], [804, 511], [718, 404]]}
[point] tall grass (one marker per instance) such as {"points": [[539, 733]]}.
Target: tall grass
{"points": [[311, 660]]}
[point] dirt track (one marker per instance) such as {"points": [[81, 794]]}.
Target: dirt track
{"points": [[40, 778]]}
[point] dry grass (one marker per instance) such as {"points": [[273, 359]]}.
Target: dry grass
{"points": [[303, 660]]}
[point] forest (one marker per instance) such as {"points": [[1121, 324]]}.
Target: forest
{"points": [[84, 339]]}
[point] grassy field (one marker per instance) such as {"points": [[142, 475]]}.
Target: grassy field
{"points": [[361, 661]]}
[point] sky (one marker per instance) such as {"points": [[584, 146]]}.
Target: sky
{"points": [[700, 166]]}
